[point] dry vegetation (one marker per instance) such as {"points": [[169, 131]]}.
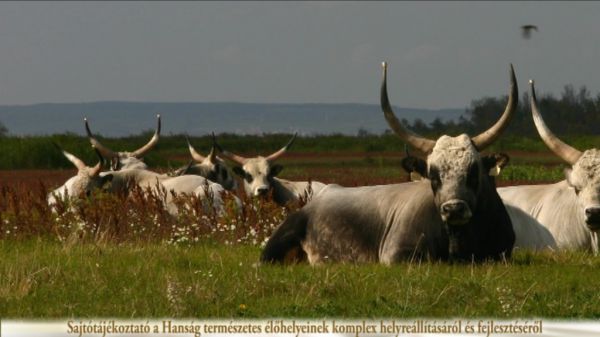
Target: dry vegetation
{"points": [[136, 217]]}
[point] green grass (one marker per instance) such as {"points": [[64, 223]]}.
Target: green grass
{"points": [[533, 173], [39, 152], [46, 279]]}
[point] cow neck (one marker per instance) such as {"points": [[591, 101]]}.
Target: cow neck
{"points": [[282, 194], [489, 233], [570, 211]]}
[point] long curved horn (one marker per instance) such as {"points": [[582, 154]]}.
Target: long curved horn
{"points": [[421, 143], [195, 155], [153, 141], [233, 157], [105, 151], [564, 151], [486, 138], [283, 150]]}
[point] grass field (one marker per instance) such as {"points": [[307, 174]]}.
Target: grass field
{"points": [[54, 280]]}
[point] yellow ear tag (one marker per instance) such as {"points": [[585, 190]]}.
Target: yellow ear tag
{"points": [[495, 171], [414, 176]]}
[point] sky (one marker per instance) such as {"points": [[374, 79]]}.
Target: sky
{"points": [[440, 54]]}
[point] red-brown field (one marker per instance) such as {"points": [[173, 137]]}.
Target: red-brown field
{"points": [[344, 168], [25, 212]]}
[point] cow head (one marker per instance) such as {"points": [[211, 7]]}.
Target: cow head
{"points": [[211, 167], [584, 174], [124, 159], [258, 172], [454, 166], [87, 179]]}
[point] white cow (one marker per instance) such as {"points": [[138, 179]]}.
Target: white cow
{"points": [[125, 159], [569, 209], [259, 175]]}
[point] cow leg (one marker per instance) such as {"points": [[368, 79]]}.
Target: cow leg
{"points": [[285, 244]]}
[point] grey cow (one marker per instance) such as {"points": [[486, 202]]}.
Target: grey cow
{"points": [[211, 167], [453, 213]]}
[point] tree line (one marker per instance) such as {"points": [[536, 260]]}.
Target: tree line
{"points": [[575, 112]]}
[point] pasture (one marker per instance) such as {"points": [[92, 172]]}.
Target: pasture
{"points": [[57, 280], [124, 257]]}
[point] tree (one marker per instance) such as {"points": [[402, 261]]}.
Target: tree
{"points": [[362, 132], [3, 130]]}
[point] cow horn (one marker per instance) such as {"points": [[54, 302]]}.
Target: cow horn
{"points": [[564, 151], [105, 151], [79, 164], [233, 157], [279, 153], [153, 141], [422, 144], [195, 155], [212, 155], [486, 138]]}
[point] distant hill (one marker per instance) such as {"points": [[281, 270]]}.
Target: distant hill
{"points": [[113, 119]]}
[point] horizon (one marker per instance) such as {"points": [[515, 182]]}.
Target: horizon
{"points": [[223, 102]]}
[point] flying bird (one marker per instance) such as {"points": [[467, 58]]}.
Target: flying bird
{"points": [[527, 29]]}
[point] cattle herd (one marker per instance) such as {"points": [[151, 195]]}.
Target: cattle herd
{"points": [[451, 210]]}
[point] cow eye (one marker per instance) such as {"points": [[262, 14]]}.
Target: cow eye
{"points": [[434, 177], [248, 178]]}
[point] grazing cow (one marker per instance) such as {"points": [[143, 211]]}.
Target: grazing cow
{"points": [[569, 209], [259, 175], [89, 179], [124, 159], [211, 167], [453, 213]]}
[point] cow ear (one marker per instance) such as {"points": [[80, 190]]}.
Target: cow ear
{"points": [[239, 171], [571, 180], [494, 163], [568, 175], [417, 167], [275, 169]]}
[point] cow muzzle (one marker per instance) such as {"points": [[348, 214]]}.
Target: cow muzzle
{"points": [[455, 212], [592, 218], [261, 191]]}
